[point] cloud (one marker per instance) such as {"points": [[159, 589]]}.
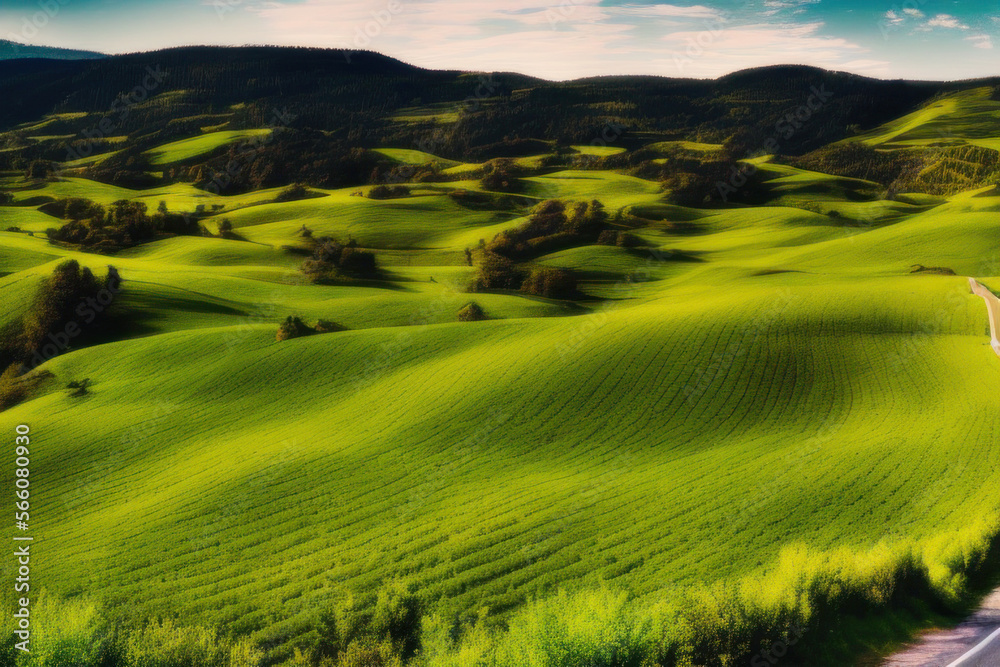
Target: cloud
{"points": [[912, 11], [981, 41], [892, 18], [946, 21], [693, 12]]}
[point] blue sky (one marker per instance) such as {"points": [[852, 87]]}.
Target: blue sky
{"points": [[555, 39]]}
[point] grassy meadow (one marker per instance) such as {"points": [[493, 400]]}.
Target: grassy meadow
{"points": [[759, 423]]}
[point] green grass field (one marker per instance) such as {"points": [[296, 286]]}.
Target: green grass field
{"points": [[736, 404]]}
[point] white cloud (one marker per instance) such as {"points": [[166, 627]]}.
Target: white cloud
{"points": [[693, 12], [946, 21], [981, 41], [912, 11], [892, 18]]}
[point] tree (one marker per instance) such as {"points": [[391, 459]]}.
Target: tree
{"points": [[39, 169], [550, 283], [496, 272], [293, 327], [501, 175]]}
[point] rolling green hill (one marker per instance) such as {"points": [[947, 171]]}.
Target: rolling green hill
{"points": [[750, 418]]}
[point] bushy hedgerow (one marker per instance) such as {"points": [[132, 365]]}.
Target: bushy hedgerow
{"points": [[796, 610]]}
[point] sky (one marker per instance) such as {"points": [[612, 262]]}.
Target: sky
{"points": [[553, 39]]}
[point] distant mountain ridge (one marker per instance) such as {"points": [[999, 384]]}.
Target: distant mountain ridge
{"points": [[10, 50], [365, 99]]}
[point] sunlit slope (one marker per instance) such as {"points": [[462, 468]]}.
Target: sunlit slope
{"points": [[185, 149], [492, 461], [968, 116], [773, 376]]}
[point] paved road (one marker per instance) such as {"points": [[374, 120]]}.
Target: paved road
{"points": [[987, 654], [944, 648]]}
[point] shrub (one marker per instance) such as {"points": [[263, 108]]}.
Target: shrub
{"points": [[595, 628], [396, 619], [292, 193], [369, 653], [66, 633], [332, 259], [357, 262], [388, 192], [550, 283], [501, 175], [39, 169], [496, 272], [6, 199], [163, 644], [325, 326], [627, 240], [293, 327], [472, 312]]}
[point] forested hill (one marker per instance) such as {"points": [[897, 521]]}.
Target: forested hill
{"points": [[10, 50], [336, 101]]}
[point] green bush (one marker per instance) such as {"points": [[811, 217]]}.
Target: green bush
{"points": [[472, 312], [293, 327], [496, 272]]}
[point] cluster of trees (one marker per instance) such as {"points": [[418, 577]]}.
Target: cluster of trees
{"points": [[332, 260], [123, 224], [496, 272], [551, 227], [294, 327], [70, 308], [332, 107], [293, 193], [502, 175], [388, 192]]}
